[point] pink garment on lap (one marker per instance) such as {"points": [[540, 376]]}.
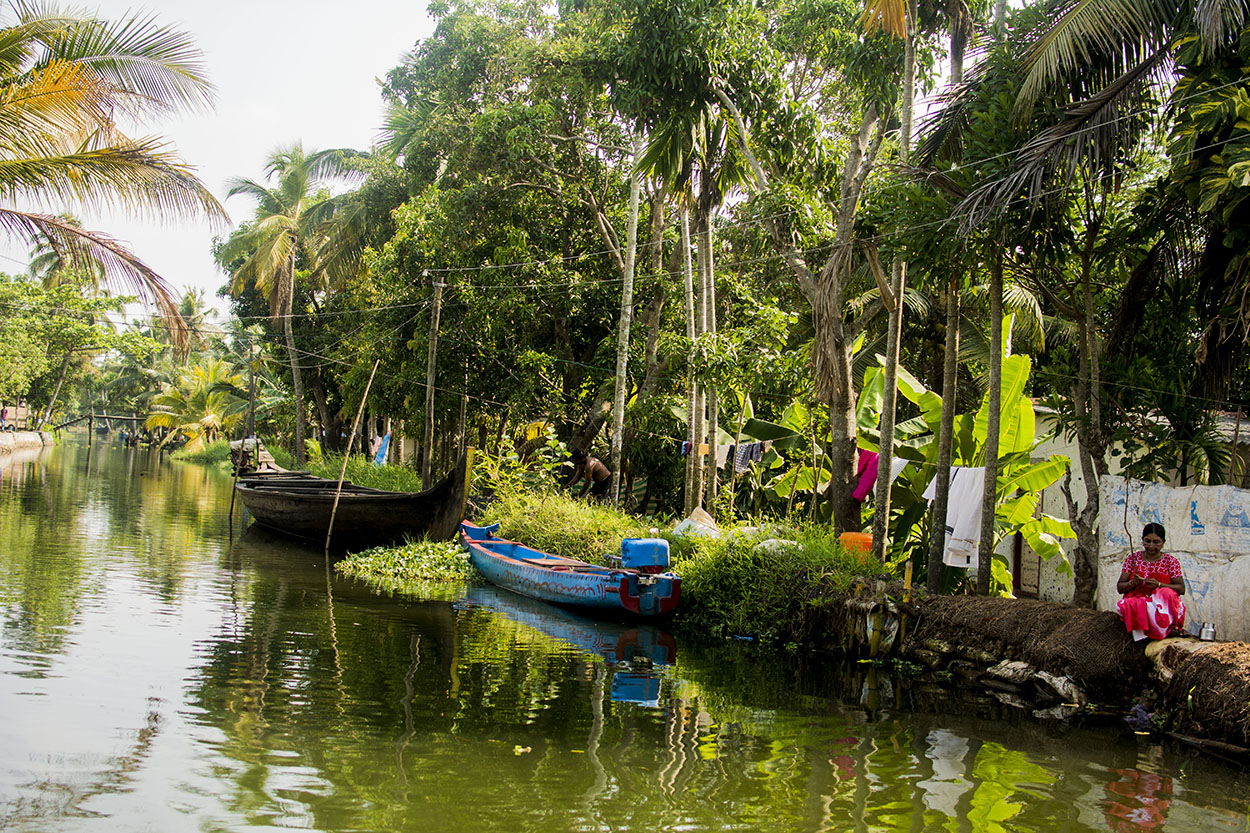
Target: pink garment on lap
{"points": [[1155, 614]]}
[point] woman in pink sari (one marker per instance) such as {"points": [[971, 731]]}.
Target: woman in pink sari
{"points": [[1152, 585]]}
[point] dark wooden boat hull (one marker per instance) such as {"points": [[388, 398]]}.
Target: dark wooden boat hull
{"points": [[301, 506], [563, 581]]}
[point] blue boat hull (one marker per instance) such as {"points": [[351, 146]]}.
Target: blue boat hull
{"points": [[565, 581]]}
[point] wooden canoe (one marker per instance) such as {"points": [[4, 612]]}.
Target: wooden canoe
{"points": [[300, 505], [566, 581]]}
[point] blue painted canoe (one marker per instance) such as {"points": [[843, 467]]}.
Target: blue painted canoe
{"points": [[566, 581]]}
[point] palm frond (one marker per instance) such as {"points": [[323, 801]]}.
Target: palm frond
{"points": [[1219, 22], [61, 104], [150, 67], [943, 128], [887, 15], [403, 124], [1029, 321], [1081, 33], [140, 177], [1094, 135], [120, 266]]}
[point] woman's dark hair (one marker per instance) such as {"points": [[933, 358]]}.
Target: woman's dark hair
{"points": [[1154, 529]]}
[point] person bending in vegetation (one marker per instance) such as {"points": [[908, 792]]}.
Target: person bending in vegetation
{"points": [[593, 471], [1152, 585]]}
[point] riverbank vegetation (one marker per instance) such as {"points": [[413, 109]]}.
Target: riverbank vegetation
{"points": [[654, 229]]}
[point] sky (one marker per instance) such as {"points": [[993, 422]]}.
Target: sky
{"points": [[285, 71]]}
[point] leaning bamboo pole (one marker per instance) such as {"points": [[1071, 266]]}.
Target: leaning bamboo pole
{"points": [[338, 490]]}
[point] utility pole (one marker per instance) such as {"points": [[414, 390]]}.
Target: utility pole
{"points": [[251, 389], [427, 456]]}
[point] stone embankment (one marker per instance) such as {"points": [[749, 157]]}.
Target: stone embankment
{"points": [[1053, 660], [11, 441]]}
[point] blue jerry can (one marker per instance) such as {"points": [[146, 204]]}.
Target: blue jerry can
{"points": [[637, 553]]}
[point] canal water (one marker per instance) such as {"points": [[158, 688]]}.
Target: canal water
{"points": [[164, 670]]}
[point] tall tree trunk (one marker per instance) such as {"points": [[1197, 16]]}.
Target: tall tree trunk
{"points": [[427, 470], [251, 389], [700, 327], [994, 397], [56, 392], [898, 284], [622, 338], [297, 385], [329, 422], [692, 390], [1092, 451], [946, 437], [711, 478], [950, 370], [654, 309]]}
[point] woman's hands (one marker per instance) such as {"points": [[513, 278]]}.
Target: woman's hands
{"points": [[1129, 583]]}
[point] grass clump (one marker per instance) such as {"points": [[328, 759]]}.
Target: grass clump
{"points": [[212, 453], [561, 525], [412, 568], [742, 586]]}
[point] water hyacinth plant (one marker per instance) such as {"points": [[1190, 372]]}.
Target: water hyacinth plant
{"points": [[426, 569]]}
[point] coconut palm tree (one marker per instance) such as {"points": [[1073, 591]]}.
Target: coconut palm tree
{"points": [[295, 229], [202, 406], [65, 79]]}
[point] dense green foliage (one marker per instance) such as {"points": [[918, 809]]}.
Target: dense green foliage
{"points": [[753, 583], [755, 152], [362, 472]]}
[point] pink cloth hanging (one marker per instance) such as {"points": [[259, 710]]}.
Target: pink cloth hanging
{"points": [[866, 468]]}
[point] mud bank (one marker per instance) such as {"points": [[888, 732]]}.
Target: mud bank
{"points": [[1051, 659]]}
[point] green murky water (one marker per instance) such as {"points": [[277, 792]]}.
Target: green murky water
{"points": [[159, 673]]}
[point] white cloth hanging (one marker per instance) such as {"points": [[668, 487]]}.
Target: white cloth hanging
{"points": [[963, 514]]}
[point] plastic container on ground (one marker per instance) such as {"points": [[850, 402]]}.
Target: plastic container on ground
{"points": [[859, 543]]}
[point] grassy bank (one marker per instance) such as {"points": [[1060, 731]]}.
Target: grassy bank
{"points": [[212, 454], [361, 471]]}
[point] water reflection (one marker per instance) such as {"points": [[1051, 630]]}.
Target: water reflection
{"points": [[157, 672], [637, 652]]}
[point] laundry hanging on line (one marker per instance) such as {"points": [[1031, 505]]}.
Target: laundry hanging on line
{"points": [[963, 514], [866, 469], [746, 454]]}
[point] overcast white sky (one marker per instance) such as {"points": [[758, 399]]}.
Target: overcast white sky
{"points": [[284, 71]]}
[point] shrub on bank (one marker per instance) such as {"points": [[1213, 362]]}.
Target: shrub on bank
{"points": [[761, 585], [762, 588]]}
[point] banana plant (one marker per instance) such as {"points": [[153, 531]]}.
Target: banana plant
{"points": [[1021, 477]]}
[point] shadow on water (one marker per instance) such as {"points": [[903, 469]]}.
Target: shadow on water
{"points": [[159, 671]]}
